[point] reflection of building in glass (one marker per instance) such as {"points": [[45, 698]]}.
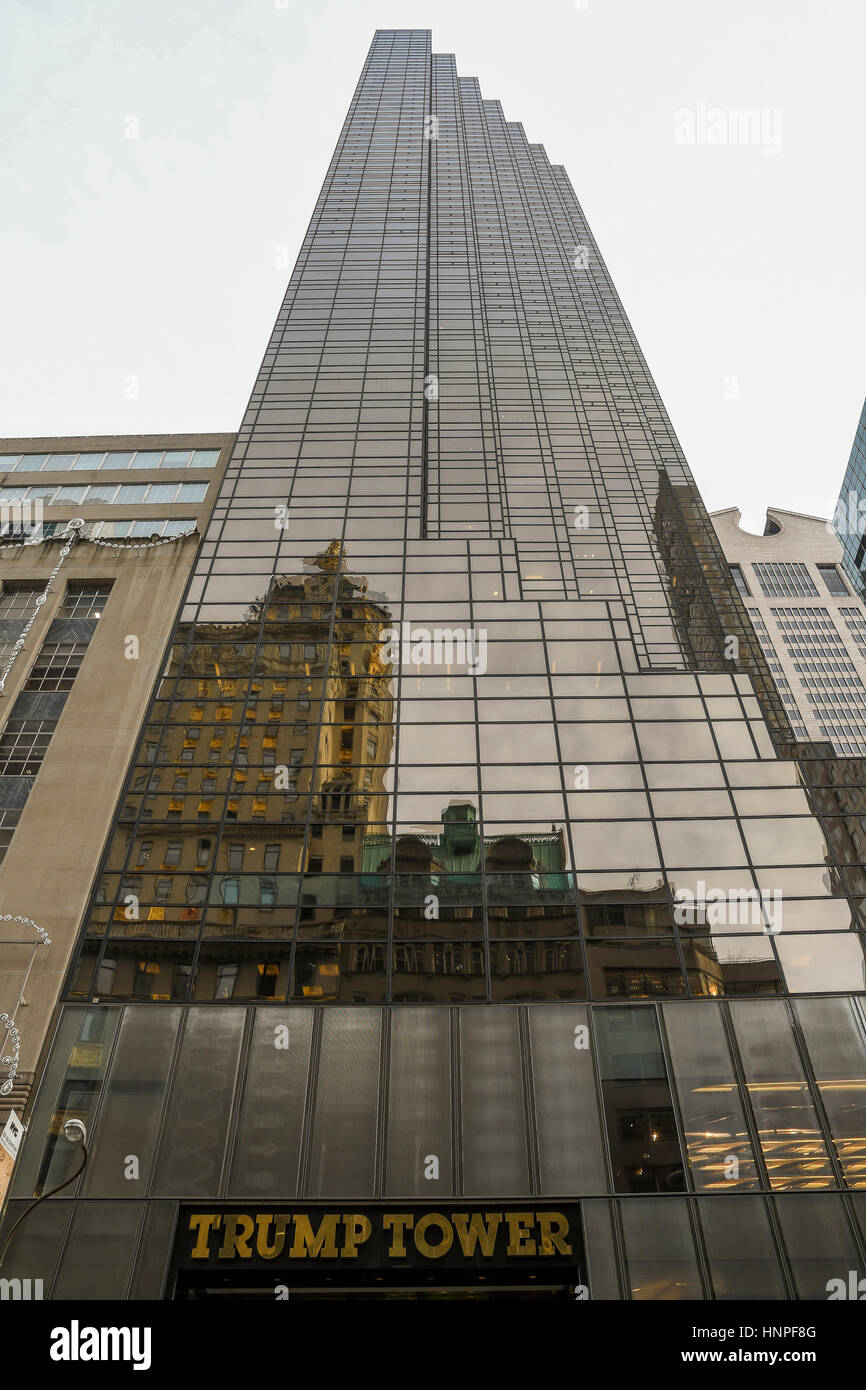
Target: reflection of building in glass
{"points": [[220, 797], [407, 926]]}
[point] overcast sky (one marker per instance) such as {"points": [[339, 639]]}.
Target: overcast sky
{"points": [[140, 276]]}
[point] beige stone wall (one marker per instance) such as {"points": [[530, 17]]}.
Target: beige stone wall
{"points": [[808, 539], [50, 864]]}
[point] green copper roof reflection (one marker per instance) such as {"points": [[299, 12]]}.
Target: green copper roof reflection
{"points": [[457, 850]]}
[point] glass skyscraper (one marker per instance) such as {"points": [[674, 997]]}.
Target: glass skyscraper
{"points": [[849, 519], [471, 915]]}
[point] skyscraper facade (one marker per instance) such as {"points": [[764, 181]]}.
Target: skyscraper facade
{"points": [[468, 919]]}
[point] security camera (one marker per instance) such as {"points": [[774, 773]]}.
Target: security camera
{"points": [[75, 1131]]}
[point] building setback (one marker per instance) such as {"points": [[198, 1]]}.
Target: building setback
{"points": [[468, 917]]}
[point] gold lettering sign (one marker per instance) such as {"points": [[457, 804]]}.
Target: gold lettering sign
{"points": [[237, 1229], [324, 1242], [358, 1230], [264, 1248], [477, 1231], [435, 1221], [397, 1222], [416, 1236]]}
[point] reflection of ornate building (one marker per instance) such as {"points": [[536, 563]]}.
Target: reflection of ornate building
{"points": [[267, 719], [634, 953], [444, 888]]}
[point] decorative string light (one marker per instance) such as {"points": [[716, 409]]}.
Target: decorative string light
{"points": [[118, 543], [10, 1059], [75, 528], [144, 545]]}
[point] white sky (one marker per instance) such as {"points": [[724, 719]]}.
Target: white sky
{"points": [[157, 258]]}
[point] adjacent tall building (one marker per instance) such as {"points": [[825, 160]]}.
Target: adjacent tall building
{"points": [[809, 622], [97, 541], [468, 920]]}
